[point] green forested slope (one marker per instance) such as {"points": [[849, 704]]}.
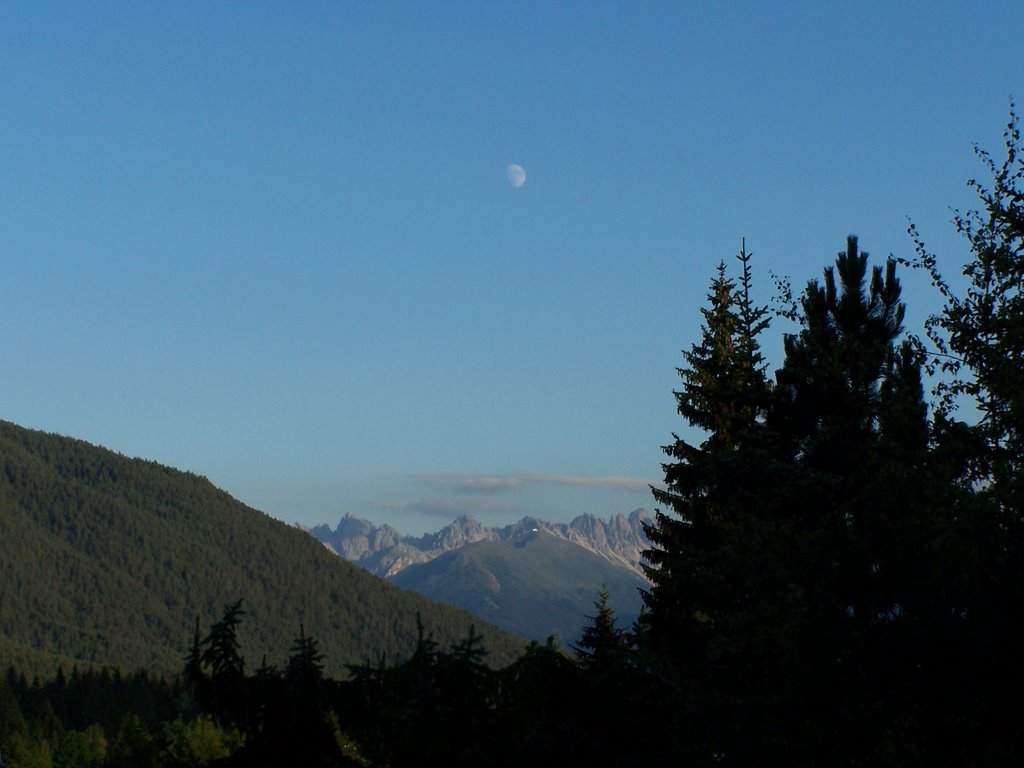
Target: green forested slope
{"points": [[109, 559]]}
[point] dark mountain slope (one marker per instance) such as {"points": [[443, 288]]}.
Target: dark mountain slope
{"points": [[536, 584], [109, 559]]}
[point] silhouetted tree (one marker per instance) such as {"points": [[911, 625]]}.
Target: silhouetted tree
{"points": [[603, 645], [222, 656], [195, 678], [978, 337], [724, 395], [977, 351], [804, 583], [305, 668], [700, 574], [850, 424]]}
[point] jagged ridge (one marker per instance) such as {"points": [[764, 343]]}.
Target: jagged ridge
{"points": [[533, 577], [385, 552]]}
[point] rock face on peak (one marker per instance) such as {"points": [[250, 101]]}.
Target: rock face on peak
{"points": [[463, 530], [532, 577], [355, 538], [620, 539], [384, 551]]}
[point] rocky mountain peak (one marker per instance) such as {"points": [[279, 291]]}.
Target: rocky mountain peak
{"points": [[386, 552], [462, 530], [350, 526]]}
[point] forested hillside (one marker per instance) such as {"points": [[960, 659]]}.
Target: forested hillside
{"points": [[111, 560]]}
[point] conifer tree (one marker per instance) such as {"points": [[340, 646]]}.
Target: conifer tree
{"points": [[306, 664], [470, 649], [724, 395], [195, 678], [306, 729], [865, 531], [222, 656], [12, 722], [701, 563], [809, 533], [603, 645]]}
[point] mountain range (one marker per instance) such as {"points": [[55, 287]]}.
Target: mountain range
{"points": [[533, 578]]}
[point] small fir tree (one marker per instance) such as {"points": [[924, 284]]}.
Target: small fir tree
{"points": [[603, 645], [221, 655]]}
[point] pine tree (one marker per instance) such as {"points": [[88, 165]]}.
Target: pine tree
{"points": [[870, 542], [603, 645], [222, 656], [195, 678], [470, 650], [222, 649], [828, 388], [12, 722], [305, 668], [802, 587]]}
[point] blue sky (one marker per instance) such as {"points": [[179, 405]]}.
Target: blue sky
{"points": [[275, 243]]}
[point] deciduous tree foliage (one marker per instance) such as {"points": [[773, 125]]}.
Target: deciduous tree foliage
{"points": [[978, 337], [976, 346]]}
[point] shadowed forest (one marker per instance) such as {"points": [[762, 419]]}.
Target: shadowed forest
{"points": [[835, 576]]}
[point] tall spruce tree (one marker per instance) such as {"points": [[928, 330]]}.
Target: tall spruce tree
{"points": [[724, 394], [693, 564]]}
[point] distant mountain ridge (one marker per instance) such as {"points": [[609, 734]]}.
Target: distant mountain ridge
{"points": [[533, 578], [384, 551]]}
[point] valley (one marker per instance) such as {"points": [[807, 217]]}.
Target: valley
{"points": [[534, 578]]}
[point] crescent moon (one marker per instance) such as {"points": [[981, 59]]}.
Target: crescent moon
{"points": [[516, 175]]}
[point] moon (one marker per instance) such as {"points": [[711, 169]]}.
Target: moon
{"points": [[516, 175]]}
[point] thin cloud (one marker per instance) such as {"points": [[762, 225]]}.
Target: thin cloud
{"points": [[594, 481], [472, 484], [495, 484], [488, 484], [450, 507]]}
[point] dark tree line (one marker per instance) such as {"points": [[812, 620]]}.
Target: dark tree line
{"points": [[436, 707], [837, 568]]}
